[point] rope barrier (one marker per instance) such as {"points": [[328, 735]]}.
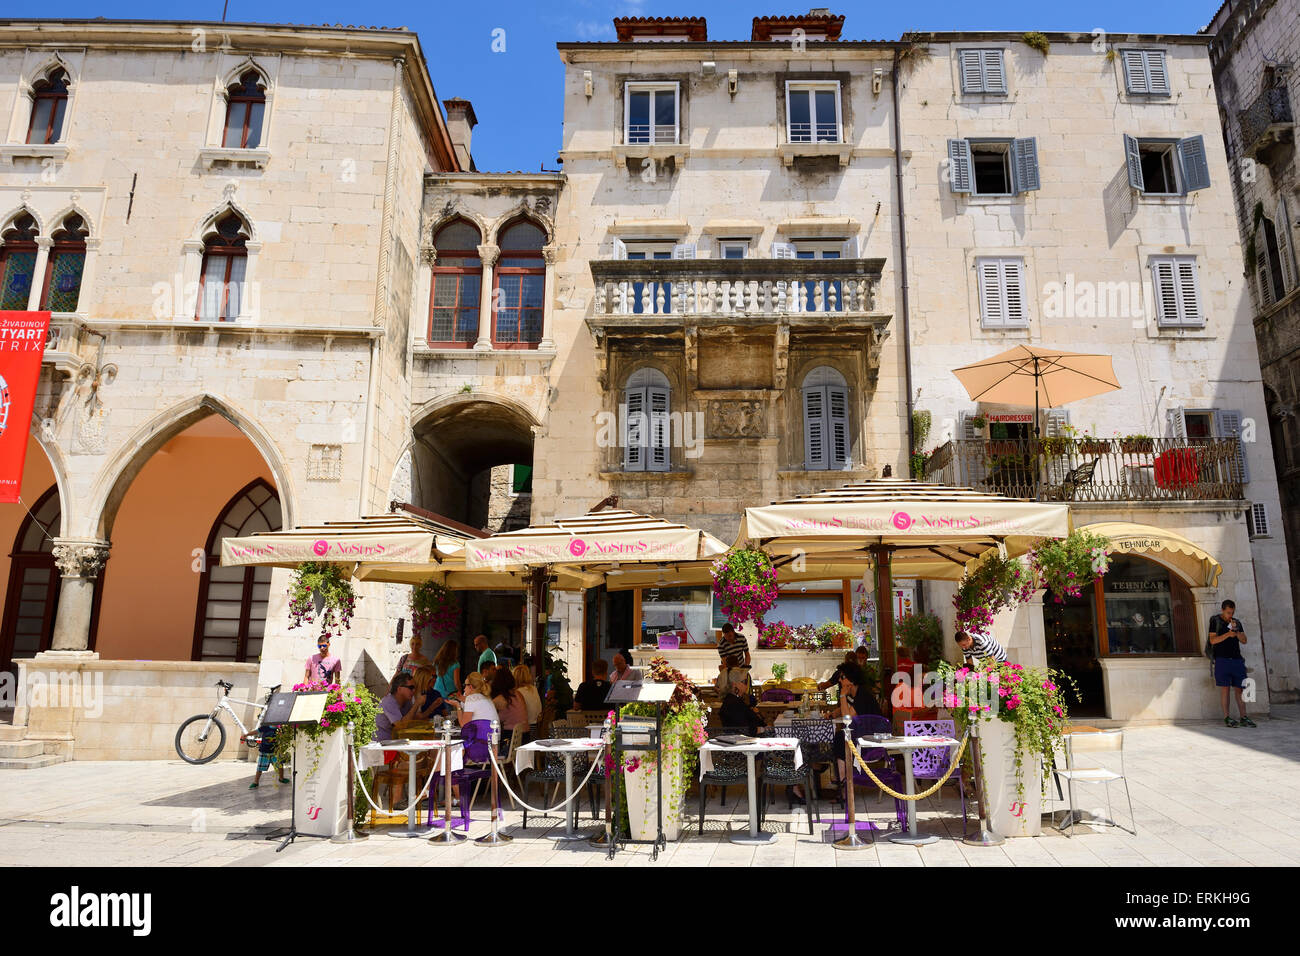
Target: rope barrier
{"points": [[952, 765], [501, 779], [396, 813]]}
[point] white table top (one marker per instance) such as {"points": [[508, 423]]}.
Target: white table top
{"points": [[525, 756], [908, 743], [372, 754], [763, 744]]}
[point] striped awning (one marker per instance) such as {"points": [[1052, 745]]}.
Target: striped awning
{"points": [[399, 538]]}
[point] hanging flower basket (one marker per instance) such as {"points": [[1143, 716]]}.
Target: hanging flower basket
{"points": [[744, 582], [1065, 566], [321, 591], [997, 584], [436, 605]]}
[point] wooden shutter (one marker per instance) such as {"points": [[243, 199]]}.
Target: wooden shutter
{"points": [[1176, 422], [1285, 245], [995, 74], [634, 440], [659, 451], [1135, 73], [1189, 293], [814, 428], [684, 250], [1024, 164], [1263, 267], [1164, 283], [1228, 425], [1133, 157], [1013, 293], [959, 166], [837, 420], [970, 63], [1196, 171], [1157, 74], [992, 312], [783, 250]]}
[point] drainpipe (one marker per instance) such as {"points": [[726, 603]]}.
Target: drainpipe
{"points": [[902, 264]]}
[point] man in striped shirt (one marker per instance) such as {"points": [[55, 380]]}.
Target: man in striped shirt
{"points": [[733, 644], [979, 646]]}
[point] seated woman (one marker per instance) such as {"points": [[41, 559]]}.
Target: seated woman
{"points": [[476, 705], [527, 689], [856, 700], [511, 709], [446, 664], [726, 668], [735, 710]]}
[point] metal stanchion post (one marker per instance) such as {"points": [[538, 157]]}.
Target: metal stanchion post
{"points": [[606, 836], [495, 838], [850, 840], [351, 835], [986, 836], [446, 834]]}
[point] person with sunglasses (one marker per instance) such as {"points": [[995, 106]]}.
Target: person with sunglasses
{"points": [[323, 666]]}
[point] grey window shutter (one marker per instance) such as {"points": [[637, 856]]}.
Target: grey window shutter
{"points": [[992, 313], [965, 426], [1229, 426], [1164, 283], [634, 439], [1133, 157], [1196, 170], [1285, 245], [970, 64], [1135, 74], [783, 250], [1013, 292], [1024, 162], [814, 428], [1055, 420], [684, 250], [1189, 293], [1157, 74], [959, 164], [1263, 268], [620, 249], [837, 419], [1177, 423], [995, 74], [660, 443]]}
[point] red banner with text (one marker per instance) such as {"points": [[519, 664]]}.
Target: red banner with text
{"points": [[22, 346]]}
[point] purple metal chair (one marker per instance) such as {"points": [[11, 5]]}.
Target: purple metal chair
{"points": [[875, 724], [477, 739], [778, 694], [931, 763]]}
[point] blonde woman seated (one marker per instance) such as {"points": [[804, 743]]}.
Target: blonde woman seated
{"points": [[476, 705], [527, 689]]}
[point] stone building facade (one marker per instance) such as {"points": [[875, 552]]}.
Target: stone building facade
{"points": [[1255, 52]]}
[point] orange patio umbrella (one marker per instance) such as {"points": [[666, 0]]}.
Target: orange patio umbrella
{"points": [[1031, 373]]}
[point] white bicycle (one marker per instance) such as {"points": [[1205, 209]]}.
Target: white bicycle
{"points": [[201, 738]]}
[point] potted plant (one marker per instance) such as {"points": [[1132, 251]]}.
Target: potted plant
{"points": [[683, 733], [434, 605], [779, 671], [775, 635], [744, 581], [1054, 445], [996, 584], [1088, 445], [924, 634], [318, 589], [806, 637], [978, 423], [1065, 566], [559, 694], [834, 634], [1136, 444]]}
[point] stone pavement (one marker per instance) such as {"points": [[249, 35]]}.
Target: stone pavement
{"points": [[1203, 795]]}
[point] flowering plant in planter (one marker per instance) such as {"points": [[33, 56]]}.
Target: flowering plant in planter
{"points": [[319, 588], [346, 702], [834, 634], [923, 632], [435, 604], [1032, 699], [1065, 566], [998, 583], [778, 634], [1136, 444], [744, 581], [806, 638]]}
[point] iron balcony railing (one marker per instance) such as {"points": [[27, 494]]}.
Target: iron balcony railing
{"points": [[1095, 469], [1263, 118]]}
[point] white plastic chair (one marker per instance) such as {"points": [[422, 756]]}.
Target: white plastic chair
{"points": [[1103, 741]]}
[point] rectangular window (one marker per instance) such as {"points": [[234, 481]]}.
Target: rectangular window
{"points": [[1166, 167], [454, 303], [19, 267], [982, 71], [1176, 288], [813, 112], [1145, 72], [1257, 520], [521, 479], [650, 113], [734, 248], [1002, 293], [63, 287], [646, 295], [221, 279], [993, 167], [685, 611]]}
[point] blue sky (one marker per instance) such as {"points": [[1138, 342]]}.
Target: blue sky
{"points": [[516, 93]]}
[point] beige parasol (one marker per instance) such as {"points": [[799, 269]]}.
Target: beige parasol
{"points": [[1031, 373]]}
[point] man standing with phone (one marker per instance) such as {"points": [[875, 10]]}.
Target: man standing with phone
{"points": [[1226, 637]]}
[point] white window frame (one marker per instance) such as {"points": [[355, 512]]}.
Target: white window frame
{"points": [[809, 87], [653, 88], [744, 245], [1255, 527], [1004, 264], [1175, 165], [1180, 320]]}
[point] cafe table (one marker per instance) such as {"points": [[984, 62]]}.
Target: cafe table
{"points": [[754, 836], [413, 748], [525, 756], [905, 745]]}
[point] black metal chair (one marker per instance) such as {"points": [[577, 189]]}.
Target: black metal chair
{"points": [[552, 768], [1075, 479], [729, 770], [816, 744], [779, 771]]}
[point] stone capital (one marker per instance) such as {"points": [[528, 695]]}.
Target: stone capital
{"points": [[489, 253], [80, 557], [550, 253]]}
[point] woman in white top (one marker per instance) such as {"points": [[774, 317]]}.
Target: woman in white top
{"points": [[477, 705], [527, 689]]}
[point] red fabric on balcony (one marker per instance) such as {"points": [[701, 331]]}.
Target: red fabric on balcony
{"points": [[1177, 468]]}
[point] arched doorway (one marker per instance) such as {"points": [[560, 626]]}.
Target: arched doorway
{"points": [[1139, 608], [230, 618]]}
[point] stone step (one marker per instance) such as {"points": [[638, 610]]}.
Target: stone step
{"points": [[9, 733], [30, 763], [21, 748]]}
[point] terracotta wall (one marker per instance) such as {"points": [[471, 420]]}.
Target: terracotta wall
{"points": [[151, 588]]}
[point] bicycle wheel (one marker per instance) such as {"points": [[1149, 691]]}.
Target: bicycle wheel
{"points": [[200, 738]]}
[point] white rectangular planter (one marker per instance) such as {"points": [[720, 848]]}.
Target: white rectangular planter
{"points": [[1010, 815], [641, 785], [321, 801]]}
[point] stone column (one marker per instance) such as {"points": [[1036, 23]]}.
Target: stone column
{"points": [[80, 560], [38, 273], [487, 296], [550, 253]]}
